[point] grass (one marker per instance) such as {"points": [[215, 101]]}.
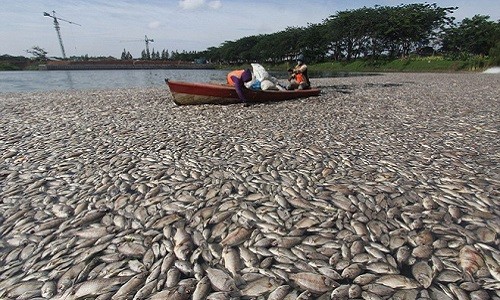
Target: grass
{"points": [[8, 67], [429, 64]]}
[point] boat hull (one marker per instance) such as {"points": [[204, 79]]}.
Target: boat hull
{"points": [[187, 93]]}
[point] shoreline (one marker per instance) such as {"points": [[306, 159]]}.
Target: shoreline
{"points": [[355, 187]]}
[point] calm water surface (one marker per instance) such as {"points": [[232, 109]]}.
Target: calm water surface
{"points": [[35, 81]]}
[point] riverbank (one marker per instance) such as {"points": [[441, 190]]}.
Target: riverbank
{"points": [[383, 186], [123, 65], [408, 65], [416, 64], [412, 64]]}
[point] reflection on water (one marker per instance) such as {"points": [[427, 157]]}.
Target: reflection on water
{"points": [[69, 80], [33, 81]]}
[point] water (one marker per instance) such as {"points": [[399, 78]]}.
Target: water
{"points": [[36, 81]]}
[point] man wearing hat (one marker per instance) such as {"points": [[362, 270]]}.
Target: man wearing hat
{"points": [[298, 76]]}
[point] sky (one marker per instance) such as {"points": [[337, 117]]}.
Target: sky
{"points": [[109, 26]]}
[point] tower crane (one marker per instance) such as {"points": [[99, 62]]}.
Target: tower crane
{"points": [[58, 28], [147, 42]]}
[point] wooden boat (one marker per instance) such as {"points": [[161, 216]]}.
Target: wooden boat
{"points": [[187, 93]]}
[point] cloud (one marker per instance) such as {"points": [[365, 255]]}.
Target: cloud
{"points": [[216, 4], [154, 25], [191, 4], [194, 4]]}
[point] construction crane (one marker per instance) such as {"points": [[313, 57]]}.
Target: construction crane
{"points": [[147, 42], [58, 28]]}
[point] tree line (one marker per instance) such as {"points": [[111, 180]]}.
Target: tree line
{"points": [[164, 55], [368, 32]]}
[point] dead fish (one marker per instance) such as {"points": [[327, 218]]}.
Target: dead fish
{"points": [[92, 232], [480, 295], [202, 289], [23, 287], [491, 264], [354, 291], [402, 254], [68, 278], [470, 261], [370, 296], [449, 276], [405, 295], [136, 266], [378, 289], [398, 282], [182, 243], [279, 293], [381, 268], [145, 291], [173, 277], [236, 237], [330, 272], [352, 271], [365, 278], [181, 292], [423, 273], [219, 296], [185, 267], [221, 281], [48, 289], [422, 251], [93, 287], [130, 287], [312, 282], [441, 293], [305, 295], [132, 249], [232, 260], [299, 202], [259, 287], [458, 292], [249, 258], [486, 235], [90, 252], [154, 274], [340, 292]]}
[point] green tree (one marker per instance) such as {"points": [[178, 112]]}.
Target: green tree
{"points": [[125, 55], [38, 52], [474, 36], [495, 55], [164, 54], [348, 32], [379, 31]]}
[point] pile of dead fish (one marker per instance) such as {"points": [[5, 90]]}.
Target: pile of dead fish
{"points": [[92, 209]]}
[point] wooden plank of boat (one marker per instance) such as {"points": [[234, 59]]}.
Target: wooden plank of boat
{"points": [[188, 93]]}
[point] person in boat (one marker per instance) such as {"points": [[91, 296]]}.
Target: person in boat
{"points": [[238, 78], [298, 78]]}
